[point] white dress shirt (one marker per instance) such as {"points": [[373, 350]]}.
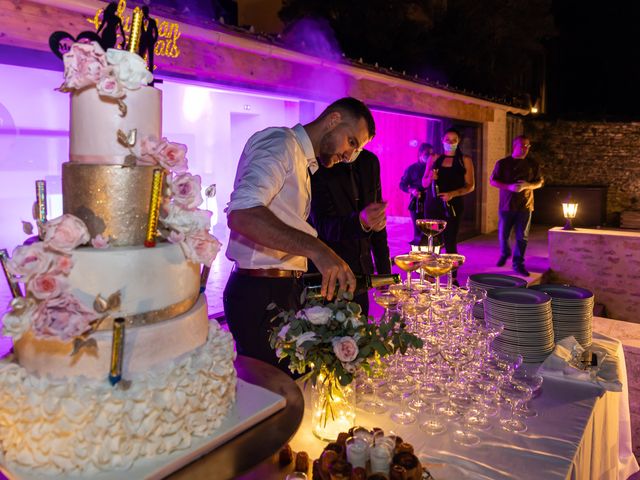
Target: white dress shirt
{"points": [[273, 172]]}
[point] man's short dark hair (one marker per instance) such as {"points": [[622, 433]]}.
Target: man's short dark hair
{"points": [[424, 147], [354, 107]]}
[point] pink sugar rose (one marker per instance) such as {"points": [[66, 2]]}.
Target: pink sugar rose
{"points": [[63, 264], [100, 242], [185, 189], [173, 157], [175, 237], [201, 247], [62, 317], [150, 148], [84, 65], [346, 349], [46, 285], [29, 260], [65, 233], [108, 86]]}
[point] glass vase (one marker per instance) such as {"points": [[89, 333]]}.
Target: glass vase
{"points": [[333, 406]]}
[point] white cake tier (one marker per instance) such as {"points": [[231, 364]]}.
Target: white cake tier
{"points": [[145, 348], [95, 122], [158, 279], [79, 426]]}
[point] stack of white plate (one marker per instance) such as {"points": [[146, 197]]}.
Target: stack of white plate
{"points": [[527, 319], [572, 309], [490, 281]]}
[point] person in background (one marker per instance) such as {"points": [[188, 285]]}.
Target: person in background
{"points": [[348, 212], [517, 177], [447, 178], [270, 238], [411, 183]]}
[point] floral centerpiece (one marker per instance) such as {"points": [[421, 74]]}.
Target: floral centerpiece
{"points": [[328, 343]]}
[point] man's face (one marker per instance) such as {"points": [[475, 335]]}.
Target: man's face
{"points": [[521, 148], [343, 142]]}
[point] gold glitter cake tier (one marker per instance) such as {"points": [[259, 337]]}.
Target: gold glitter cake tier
{"points": [[112, 200]]}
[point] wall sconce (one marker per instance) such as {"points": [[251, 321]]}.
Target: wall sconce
{"points": [[569, 211]]}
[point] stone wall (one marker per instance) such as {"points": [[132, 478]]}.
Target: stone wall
{"points": [[591, 153], [607, 262], [494, 143]]}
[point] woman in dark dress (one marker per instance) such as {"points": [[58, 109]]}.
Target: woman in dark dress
{"points": [[447, 178]]}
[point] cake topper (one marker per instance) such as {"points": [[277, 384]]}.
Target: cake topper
{"points": [[60, 42], [148, 38], [110, 23], [136, 30]]}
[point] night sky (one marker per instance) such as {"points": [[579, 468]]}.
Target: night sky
{"points": [[594, 63]]}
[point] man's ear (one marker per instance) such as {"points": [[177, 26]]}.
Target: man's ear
{"points": [[334, 119]]}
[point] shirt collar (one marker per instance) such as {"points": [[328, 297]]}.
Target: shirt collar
{"points": [[307, 147]]}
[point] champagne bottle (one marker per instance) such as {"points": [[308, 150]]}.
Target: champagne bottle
{"points": [[449, 211], [312, 282]]}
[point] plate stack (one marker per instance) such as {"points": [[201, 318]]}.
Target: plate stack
{"points": [[572, 309], [527, 319], [490, 281]]}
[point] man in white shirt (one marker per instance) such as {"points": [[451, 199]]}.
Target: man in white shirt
{"points": [[270, 238]]}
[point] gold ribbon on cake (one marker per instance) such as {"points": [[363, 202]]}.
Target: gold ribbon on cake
{"points": [[152, 316]]}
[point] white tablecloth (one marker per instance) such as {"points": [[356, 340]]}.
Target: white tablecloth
{"points": [[581, 432]]}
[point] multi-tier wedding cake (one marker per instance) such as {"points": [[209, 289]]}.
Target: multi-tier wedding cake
{"points": [[114, 357]]}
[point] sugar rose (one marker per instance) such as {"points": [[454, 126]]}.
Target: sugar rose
{"points": [[186, 190], [346, 349], [150, 148], [63, 317], [46, 285], [29, 260], [201, 247], [65, 233], [173, 157], [186, 221], [130, 69], [108, 86], [18, 320], [84, 65]]}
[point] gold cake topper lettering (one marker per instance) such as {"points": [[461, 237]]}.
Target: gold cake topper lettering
{"points": [[168, 32]]}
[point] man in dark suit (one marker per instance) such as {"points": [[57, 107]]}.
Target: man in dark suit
{"points": [[348, 212]]}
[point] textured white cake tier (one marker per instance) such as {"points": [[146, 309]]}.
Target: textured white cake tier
{"points": [[149, 279], [145, 348], [95, 122], [79, 425]]}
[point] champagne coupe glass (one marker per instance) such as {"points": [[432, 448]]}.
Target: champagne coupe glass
{"points": [[374, 404], [463, 402], [408, 262], [456, 261], [431, 227], [435, 266], [532, 379], [386, 300], [514, 393]]}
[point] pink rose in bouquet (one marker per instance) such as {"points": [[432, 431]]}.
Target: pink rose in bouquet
{"points": [[62, 317], [46, 285], [150, 148], [346, 349], [84, 65], [201, 247], [29, 260], [65, 233], [173, 157], [108, 86], [186, 190]]}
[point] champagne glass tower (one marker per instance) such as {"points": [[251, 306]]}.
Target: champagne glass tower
{"points": [[431, 227]]}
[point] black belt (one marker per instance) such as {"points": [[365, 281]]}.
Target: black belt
{"points": [[269, 272]]}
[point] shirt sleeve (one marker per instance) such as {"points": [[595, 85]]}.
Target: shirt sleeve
{"points": [[497, 174], [264, 165]]}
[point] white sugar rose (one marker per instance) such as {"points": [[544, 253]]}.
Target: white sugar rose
{"points": [[46, 285], [186, 221], [201, 247], [18, 320], [29, 260], [186, 190], [65, 233], [317, 315], [345, 348], [130, 68]]}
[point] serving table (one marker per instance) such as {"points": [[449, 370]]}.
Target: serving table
{"points": [[581, 432]]}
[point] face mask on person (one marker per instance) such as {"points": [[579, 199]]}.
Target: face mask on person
{"points": [[449, 148]]}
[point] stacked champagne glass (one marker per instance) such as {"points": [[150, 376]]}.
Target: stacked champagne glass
{"points": [[456, 384]]}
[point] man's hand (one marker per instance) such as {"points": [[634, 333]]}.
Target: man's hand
{"points": [[516, 187], [415, 192], [374, 216], [333, 269]]}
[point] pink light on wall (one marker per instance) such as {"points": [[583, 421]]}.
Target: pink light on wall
{"points": [[396, 143]]}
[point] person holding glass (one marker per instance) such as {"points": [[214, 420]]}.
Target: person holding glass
{"points": [[447, 178]]}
